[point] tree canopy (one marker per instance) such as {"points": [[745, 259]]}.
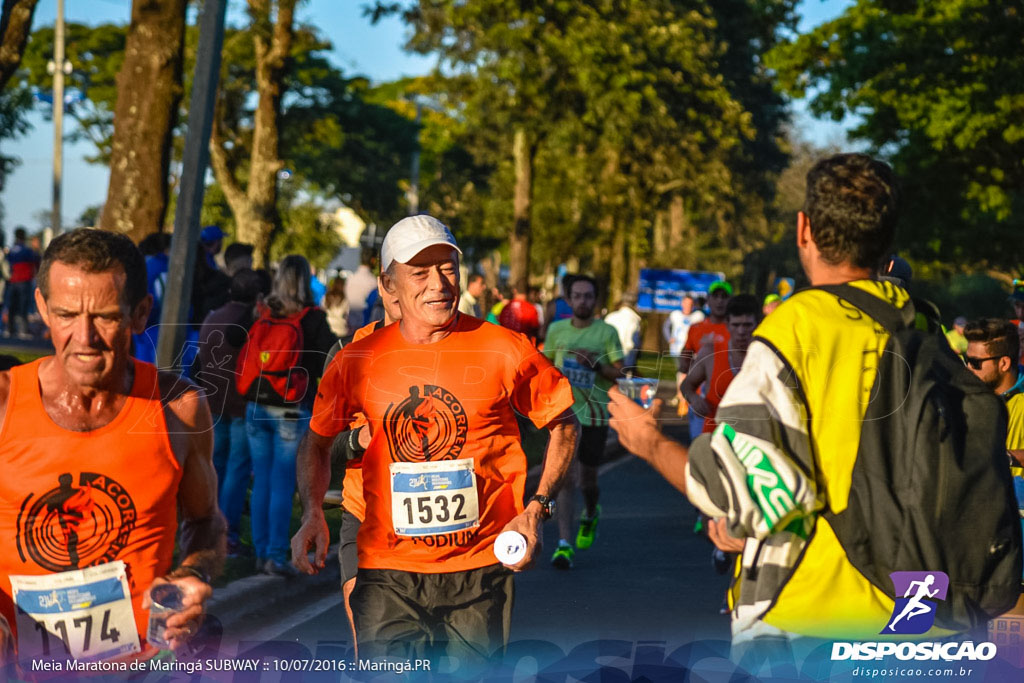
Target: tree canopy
{"points": [[936, 87]]}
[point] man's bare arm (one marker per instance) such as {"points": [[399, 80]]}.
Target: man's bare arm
{"points": [[697, 375], [313, 467], [202, 529], [610, 371], [564, 438], [639, 434], [564, 434]]}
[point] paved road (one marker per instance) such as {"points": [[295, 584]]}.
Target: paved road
{"points": [[647, 578]]}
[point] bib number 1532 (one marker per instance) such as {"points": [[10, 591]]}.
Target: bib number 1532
{"points": [[433, 497]]}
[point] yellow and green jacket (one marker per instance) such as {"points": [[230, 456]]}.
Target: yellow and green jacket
{"points": [[789, 427]]}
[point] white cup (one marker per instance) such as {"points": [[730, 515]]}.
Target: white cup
{"points": [[510, 547]]}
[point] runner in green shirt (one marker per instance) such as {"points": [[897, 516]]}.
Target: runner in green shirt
{"points": [[588, 352]]}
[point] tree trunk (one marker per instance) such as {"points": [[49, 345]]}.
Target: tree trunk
{"points": [[660, 234], [255, 206], [682, 238], [617, 267], [15, 27], [519, 240], [148, 94]]}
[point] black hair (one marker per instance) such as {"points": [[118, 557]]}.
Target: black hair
{"points": [[96, 251], [155, 243], [245, 286], [852, 203], [582, 278], [743, 304], [998, 335], [237, 250]]}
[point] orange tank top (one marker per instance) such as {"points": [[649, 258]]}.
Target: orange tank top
{"points": [[720, 379], [72, 500]]}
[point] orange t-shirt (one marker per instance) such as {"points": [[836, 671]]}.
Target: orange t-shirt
{"points": [[352, 487], [700, 330], [441, 405], [719, 379], [72, 500]]}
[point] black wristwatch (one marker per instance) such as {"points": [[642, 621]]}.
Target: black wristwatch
{"points": [[190, 570], [547, 505]]}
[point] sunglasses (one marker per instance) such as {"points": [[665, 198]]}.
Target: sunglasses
{"points": [[976, 362]]}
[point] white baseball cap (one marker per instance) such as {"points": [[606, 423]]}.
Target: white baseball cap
{"points": [[410, 236]]}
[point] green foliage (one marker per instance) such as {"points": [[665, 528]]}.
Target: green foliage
{"points": [[938, 89], [14, 103], [625, 104], [96, 53]]}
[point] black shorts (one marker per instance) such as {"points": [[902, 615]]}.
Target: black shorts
{"points": [[592, 441], [408, 615], [348, 558]]}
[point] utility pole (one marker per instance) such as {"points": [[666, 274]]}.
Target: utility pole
{"points": [[414, 172], [196, 157], [58, 68]]}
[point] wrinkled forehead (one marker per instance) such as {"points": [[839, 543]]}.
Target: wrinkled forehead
{"points": [[67, 282], [435, 255]]}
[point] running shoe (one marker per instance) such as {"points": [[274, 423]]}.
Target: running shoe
{"points": [[588, 530], [563, 557]]}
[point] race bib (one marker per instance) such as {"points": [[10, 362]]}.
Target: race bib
{"points": [[85, 614], [579, 375], [433, 497]]}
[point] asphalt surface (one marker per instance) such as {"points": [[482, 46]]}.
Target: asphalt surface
{"points": [[646, 583]]}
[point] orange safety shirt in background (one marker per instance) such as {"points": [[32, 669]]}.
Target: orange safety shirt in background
{"points": [[455, 399], [352, 487], [695, 337], [719, 378], [117, 485]]}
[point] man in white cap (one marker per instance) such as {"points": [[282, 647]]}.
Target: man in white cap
{"points": [[444, 471]]}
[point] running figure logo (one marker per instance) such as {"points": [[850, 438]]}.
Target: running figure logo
{"points": [[76, 524], [914, 613], [430, 424]]}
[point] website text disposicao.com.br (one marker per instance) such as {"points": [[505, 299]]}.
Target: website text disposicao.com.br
{"points": [[947, 657], [903, 671]]}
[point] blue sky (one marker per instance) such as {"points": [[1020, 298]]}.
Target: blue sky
{"points": [[359, 47]]}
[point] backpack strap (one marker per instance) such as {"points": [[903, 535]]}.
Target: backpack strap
{"points": [[885, 314]]}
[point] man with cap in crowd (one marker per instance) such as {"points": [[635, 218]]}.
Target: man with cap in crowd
{"points": [[211, 239], [443, 471], [956, 338], [771, 302]]}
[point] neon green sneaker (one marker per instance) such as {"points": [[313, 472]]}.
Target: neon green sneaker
{"points": [[588, 530], [563, 557]]}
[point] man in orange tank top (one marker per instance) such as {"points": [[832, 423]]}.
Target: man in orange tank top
{"points": [[101, 453], [719, 360], [444, 471]]}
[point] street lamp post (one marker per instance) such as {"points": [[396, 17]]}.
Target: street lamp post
{"points": [[58, 67]]}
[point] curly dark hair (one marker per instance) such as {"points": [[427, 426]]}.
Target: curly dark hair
{"points": [[96, 251], [852, 203]]}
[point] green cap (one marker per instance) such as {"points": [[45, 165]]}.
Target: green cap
{"points": [[721, 284]]}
